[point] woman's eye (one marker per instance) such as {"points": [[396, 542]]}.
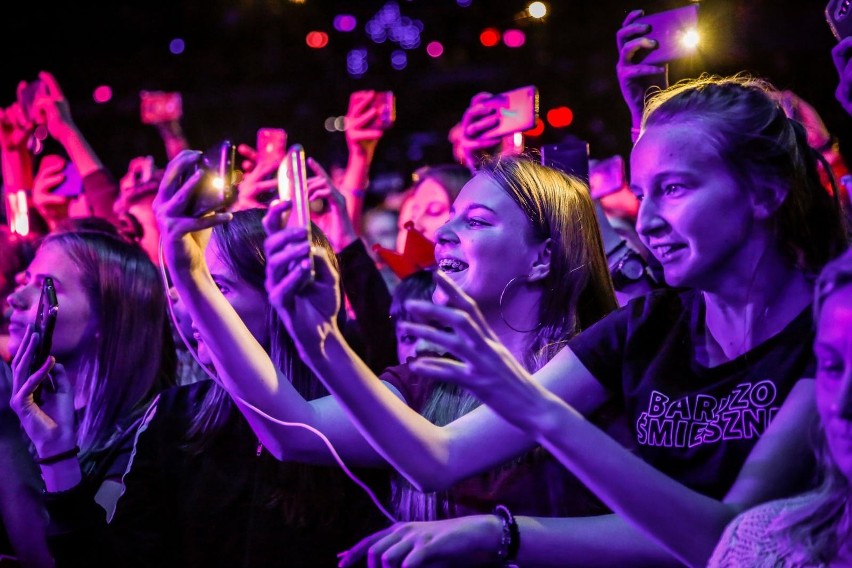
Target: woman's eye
{"points": [[222, 288], [476, 222], [672, 189], [830, 367], [435, 209]]}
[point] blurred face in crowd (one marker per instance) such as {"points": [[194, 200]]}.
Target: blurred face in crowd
{"points": [[249, 303], [427, 208], [487, 241], [694, 215], [76, 322], [380, 227], [833, 350]]}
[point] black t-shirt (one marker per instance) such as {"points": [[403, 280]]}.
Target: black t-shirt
{"points": [[694, 423]]}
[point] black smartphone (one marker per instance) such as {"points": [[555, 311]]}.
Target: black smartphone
{"points": [[48, 308], [217, 190], [28, 97], [676, 34], [571, 157], [837, 13]]}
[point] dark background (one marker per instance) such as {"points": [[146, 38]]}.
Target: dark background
{"points": [[246, 65]]}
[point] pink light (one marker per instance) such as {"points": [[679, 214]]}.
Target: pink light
{"points": [[102, 94], [435, 49], [345, 22], [514, 38]]}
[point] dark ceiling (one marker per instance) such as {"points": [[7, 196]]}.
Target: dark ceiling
{"points": [[246, 65]]}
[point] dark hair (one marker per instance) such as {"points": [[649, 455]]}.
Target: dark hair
{"points": [[741, 117], [133, 355], [240, 244], [417, 286]]}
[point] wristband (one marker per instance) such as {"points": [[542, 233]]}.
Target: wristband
{"points": [[510, 541], [56, 458]]}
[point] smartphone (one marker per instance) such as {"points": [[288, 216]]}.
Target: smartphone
{"points": [[28, 97], [48, 308], [517, 109], [293, 187], [606, 176], [271, 144], [672, 30], [837, 14], [385, 104], [217, 190], [157, 107], [571, 157]]}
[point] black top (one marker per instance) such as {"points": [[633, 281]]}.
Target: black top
{"points": [[224, 506], [694, 423]]}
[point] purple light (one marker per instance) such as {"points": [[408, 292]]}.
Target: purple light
{"points": [[102, 94], [399, 60], [356, 62], [514, 38], [464, 3], [435, 49], [176, 46], [345, 22]]}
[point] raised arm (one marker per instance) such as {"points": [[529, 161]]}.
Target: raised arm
{"points": [[243, 366], [431, 457]]}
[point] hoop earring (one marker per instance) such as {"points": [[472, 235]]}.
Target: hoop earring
{"points": [[500, 305]]}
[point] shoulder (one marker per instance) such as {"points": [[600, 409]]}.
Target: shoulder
{"points": [[751, 539], [413, 387]]}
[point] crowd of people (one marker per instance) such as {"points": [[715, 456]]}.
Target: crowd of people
{"points": [[472, 373]]}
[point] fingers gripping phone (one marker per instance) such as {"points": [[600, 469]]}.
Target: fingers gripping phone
{"points": [[293, 187], [29, 95], [517, 110], [385, 105], [216, 191], [676, 34], [48, 308], [838, 13]]}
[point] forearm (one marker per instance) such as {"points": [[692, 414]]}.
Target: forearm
{"points": [[80, 152], [688, 524], [588, 542], [356, 178], [173, 138]]}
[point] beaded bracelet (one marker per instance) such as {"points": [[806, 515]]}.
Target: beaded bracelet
{"points": [[510, 541], [56, 458]]}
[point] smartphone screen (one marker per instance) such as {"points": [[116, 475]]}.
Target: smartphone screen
{"points": [[838, 13], [518, 110], [293, 187], [48, 308], [157, 107], [676, 34], [216, 190], [385, 105]]}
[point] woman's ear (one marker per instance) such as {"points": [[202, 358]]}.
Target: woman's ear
{"points": [[541, 266], [767, 199]]}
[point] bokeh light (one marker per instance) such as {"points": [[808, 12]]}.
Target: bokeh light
{"points": [[690, 39], [490, 37], [317, 40], [356, 62], [536, 130], [514, 38], [537, 10], [435, 49], [345, 22], [560, 117], [102, 94], [399, 60], [176, 46]]}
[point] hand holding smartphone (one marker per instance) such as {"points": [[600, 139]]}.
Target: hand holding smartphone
{"points": [[675, 32], [516, 109], [48, 308], [216, 191], [293, 187], [383, 102]]}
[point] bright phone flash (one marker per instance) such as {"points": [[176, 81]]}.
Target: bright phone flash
{"points": [[690, 39], [218, 183]]}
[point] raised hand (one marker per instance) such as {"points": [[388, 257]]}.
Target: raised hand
{"points": [[51, 108], [361, 134], [15, 129], [307, 307], [334, 220], [634, 78], [49, 422], [478, 119], [466, 541], [184, 237]]}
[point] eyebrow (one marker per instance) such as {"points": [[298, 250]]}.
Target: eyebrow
{"points": [[42, 275], [474, 206]]}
